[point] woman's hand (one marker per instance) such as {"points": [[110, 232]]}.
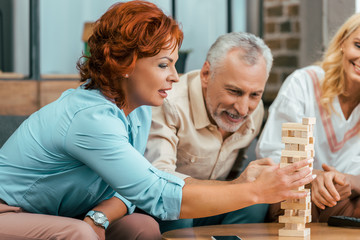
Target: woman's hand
{"points": [[276, 183], [100, 231], [329, 187], [253, 170]]}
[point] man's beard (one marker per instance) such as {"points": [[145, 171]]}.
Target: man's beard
{"points": [[219, 120]]}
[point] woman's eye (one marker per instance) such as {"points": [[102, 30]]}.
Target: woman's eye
{"points": [[163, 65]]}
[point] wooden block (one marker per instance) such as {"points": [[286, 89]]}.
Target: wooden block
{"points": [[297, 140], [290, 160], [289, 212], [294, 233], [309, 121], [294, 226], [294, 147], [288, 146], [284, 133], [289, 153], [285, 205], [304, 213], [295, 126], [293, 219], [285, 160], [291, 133], [298, 134], [305, 147], [301, 204], [306, 134], [307, 199]]}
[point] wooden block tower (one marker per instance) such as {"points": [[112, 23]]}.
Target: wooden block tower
{"points": [[299, 145]]}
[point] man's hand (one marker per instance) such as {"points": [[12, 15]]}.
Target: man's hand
{"points": [[100, 231], [329, 187], [276, 184], [253, 170]]}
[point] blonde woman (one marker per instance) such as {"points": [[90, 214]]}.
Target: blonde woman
{"points": [[329, 91]]}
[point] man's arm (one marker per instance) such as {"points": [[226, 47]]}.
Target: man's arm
{"points": [[161, 149], [202, 198]]}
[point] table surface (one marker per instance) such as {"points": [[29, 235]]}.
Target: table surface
{"points": [[263, 231]]}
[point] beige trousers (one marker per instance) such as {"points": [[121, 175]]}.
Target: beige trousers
{"points": [[16, 224]]}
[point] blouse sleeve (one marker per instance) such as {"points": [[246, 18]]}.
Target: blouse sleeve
{"points": [[100, 140], [289, 106]]}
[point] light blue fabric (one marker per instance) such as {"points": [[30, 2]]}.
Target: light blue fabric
{"points": [[76, 152]]}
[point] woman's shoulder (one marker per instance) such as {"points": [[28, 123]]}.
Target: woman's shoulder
{"points": [[299, 86], [303, 78]]}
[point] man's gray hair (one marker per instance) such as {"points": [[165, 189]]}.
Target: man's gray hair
{"points": [[253, 47]]}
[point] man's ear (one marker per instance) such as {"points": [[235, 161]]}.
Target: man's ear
{"points": [[205, 74]]}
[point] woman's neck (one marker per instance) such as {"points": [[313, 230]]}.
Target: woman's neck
{"points": [[350, 99]]}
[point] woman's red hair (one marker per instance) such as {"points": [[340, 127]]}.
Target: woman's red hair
{"points": [[126, 32]]}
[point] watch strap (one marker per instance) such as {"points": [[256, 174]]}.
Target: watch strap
{"points": [[91, 215]]}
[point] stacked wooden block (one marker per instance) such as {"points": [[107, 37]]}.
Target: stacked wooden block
{"points": [[299, 145]]}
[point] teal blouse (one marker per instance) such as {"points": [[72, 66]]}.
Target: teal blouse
{"points": [[80, 150]]}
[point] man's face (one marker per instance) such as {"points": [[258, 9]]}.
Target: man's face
{"points": [[233, 91]]}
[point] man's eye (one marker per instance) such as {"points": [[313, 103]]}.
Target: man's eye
{"points": [[256, 95], [234, 92]]}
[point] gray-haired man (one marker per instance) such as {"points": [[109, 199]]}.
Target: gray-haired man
{"points": [[210, 118]]}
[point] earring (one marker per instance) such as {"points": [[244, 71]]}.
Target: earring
{"points": [[341, 49], [126, 75]]}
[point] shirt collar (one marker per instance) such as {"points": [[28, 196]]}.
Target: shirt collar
{"points": [[134, 121], [131, 121]]}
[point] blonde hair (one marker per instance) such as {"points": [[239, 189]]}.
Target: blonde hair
{"points": [[334, 80]]}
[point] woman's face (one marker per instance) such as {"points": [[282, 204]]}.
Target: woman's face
{"points": [[351, 57], [151, 78]]}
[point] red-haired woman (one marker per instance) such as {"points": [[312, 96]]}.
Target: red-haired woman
{"points": [[81, 157]]}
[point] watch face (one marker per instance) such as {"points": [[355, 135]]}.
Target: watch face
{"points": [[99, 218]]}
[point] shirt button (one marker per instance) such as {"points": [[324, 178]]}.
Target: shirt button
{"points": [[211, 128]]}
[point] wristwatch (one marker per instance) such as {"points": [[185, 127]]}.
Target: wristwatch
{"points": [[99, 218]]}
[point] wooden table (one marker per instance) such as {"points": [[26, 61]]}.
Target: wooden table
{"points": [[263, 231]]}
